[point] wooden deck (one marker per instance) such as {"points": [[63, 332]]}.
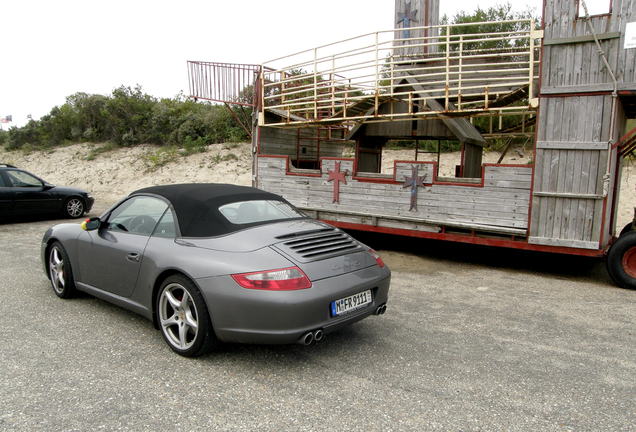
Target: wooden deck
{"points": [[327, 84]]}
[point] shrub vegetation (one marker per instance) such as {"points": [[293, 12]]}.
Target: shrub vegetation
{"points": [[128, 117]]}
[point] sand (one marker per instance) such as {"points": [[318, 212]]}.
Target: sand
{"points": [[113, 174]]}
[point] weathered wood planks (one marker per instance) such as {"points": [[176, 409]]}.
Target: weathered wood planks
{"points": [[573, 182], [571, 61], [500, 204]]}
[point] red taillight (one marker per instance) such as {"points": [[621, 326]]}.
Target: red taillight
{"points": [[377, 257], [286, 279]]}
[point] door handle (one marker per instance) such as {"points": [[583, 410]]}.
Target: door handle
{"points": [[134, 257]]}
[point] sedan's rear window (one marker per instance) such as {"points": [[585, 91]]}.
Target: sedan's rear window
{"points": [[248, 212]]}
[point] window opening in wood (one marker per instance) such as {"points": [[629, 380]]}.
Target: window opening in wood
{"points": [[447, 155], [313, 143], [595, 7], [515, 150]]}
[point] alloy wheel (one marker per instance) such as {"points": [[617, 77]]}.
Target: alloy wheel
{"points": [[56, 270], [178, 316], [75, 207]]}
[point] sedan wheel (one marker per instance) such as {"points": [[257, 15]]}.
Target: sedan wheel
{"points": [[183, 317], [60, 271], [74, 207]]}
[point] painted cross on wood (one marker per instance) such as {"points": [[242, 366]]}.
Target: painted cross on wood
{"points": [[405, 18], [414, 181], [337, 176]]}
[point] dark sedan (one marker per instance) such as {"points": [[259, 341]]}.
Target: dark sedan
{"points": [[24, 194], [210, 262]]}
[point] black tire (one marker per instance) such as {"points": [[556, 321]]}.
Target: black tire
{"points": [[175, 318], [59, 271], [621, 261], [627, 228], [74, 207]]}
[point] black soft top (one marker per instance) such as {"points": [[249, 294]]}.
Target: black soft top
{"points": [[197, 205]]}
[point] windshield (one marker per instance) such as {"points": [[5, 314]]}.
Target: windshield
{"points": [[247, 212]]}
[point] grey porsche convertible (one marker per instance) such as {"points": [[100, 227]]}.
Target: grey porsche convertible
{"points": [[216, 262]]}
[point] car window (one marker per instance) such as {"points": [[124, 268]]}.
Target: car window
{"points": [[22, 179], [245, 212], [2, 182], [166, 227], [137, 215]]}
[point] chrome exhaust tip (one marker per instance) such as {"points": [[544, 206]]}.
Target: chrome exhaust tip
{"points": [[381, 309], [318, 335], [307, 338]]}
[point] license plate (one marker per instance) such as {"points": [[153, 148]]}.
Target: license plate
{"points": [[351, 303]]}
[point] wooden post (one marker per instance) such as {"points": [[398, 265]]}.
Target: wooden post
{"points": [[261, 112], [315, 83], [531, 62], [333, 85], [459, 82], [447, 65], [392, 75], [283, 77]]}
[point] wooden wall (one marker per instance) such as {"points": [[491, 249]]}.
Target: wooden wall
{"points": [[573, 182], [283, 141], [570, 163], [571, 62], [500, 205], [408, 128]]}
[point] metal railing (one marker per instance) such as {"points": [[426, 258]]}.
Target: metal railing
{"points": [[228, 83], [466, 70]]}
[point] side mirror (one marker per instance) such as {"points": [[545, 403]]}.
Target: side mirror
{"points": [[91, 224], [47, 186]]}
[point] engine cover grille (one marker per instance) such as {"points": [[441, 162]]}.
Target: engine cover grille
{"points": [[325, 244]]}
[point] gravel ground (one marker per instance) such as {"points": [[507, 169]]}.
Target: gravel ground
{"points": [[473, 339]]}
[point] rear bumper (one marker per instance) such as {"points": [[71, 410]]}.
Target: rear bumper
{"points": [[280, 317]]}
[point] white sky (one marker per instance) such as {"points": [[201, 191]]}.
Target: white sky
{"points": [[52, 49]]}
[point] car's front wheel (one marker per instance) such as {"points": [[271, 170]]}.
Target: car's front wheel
{"points": [[74, 207], [60, 272], [183, 317]]}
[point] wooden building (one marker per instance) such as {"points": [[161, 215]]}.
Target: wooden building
{"points": [[567, 84]]}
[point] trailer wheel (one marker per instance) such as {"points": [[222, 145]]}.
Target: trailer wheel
{"points": [[621, 260], [627, 228]]}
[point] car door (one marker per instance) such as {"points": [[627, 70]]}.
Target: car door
{"points": [[110, 257], [6, 198], [29, 194]]}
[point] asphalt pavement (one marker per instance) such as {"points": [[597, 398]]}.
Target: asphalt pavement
{"points": [[473, 339]]}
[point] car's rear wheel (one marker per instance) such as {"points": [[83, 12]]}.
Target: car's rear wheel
{"points": [[74, 207], [60, 271], [183, 317]]}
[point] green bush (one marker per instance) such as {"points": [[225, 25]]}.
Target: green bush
{"points": [[193, 145], [4, 136], [128, 117]]}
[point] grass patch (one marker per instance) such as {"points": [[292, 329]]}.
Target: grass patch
{"points": [[193, 145], [226, 158], [231, 145], [161, 157], [96, 151]]}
